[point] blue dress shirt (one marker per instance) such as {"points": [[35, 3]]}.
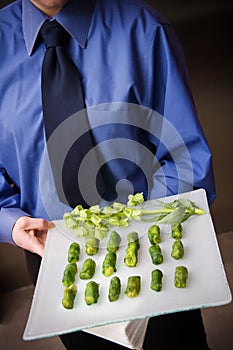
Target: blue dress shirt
{"points": [[127, 54]]}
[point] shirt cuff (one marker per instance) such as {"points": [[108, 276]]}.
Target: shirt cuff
{"points": [[8, 217]]}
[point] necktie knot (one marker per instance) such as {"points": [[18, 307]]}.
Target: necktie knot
{"points": [[53, 34]]}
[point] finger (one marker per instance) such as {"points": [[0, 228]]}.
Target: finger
{"points": [[35, 245], [30, 241], [41, 235], [31, 232]]}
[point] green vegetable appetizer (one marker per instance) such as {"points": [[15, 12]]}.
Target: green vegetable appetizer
{"points": [[74, 253], [131, 256], [91, 294], [114, 289], [92, 246], [69, 274], [177, 249], [133, 286], [113, 242], [156, 254], [156, 280], [109, 264], [69, 296], [132, 237], [176, 230], [181, 276], [88, 269], [154, 234]]}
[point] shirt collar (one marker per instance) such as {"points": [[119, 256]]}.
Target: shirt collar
{"points": [[75, 18]]}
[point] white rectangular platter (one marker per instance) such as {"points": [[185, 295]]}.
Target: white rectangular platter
{"points": [[206, 285]]}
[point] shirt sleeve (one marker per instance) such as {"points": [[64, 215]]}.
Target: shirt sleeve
{"points": [[183, 152], [10, 208]]}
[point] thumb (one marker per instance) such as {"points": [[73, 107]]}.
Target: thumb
{"points": [[29, 223]]}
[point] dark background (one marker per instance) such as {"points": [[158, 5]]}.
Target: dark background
{"points": [[205, 32]]}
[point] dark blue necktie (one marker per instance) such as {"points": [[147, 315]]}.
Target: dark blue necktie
{"points": [[62, 96], [61, 86]]}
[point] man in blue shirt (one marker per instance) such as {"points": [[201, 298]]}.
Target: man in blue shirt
{"points": [[128, 58]]}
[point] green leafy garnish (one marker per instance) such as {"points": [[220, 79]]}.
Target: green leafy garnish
{"points": [[96, 221]]}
